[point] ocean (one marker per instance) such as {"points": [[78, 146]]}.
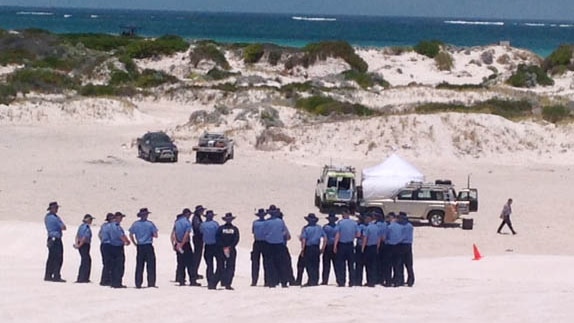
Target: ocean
{"points": [[541, 37]]}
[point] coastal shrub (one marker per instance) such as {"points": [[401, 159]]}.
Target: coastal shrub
{"points": [[444, 61], [129, 64], [216, 74], [102, 42], [529, 76], [40, 80], [555, 113], [225, 87], [153, 78], [98, 90], [118, 77], [15, 56], [7, 94], [335, 49], [274, 57], [428, 48], [208, 51], [164, 45], [253, 53], [365, 80], [459, 87], [55, 63], [509, 109], [559, 60], [321, 105]]}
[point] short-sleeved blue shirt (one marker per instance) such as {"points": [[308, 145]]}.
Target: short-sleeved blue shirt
{"points": [[383, 228], [53, 225], [407, 232], [209, 231], [258, 230], [372, 233], [84, 232], [275, 231], [312, 235], [330, 232], [144, 231], [182, 227], [347, 230], [104, 233], [116, 233], [394, 234]]}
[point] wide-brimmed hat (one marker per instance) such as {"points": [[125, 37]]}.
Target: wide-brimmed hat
{"points": [[109, 217], [228, 216], [51, 205], [261, 213], [143, 212], [402, 216], [271, 208], [119, 215], [186, 211], [209, 214], [391, 215], [332, 216], [198, 209], [311, 217], [88, 217]]}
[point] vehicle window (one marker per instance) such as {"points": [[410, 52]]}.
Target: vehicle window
{"points": [[332, 182], [160, 138], [405, 195], [423, 194], [437, 195], [345, 183]]}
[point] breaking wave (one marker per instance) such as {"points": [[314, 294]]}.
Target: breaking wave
{"points": [[313, 18], [466, 22], [35, 13]]}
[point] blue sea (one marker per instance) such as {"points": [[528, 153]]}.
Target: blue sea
{"points": [[541, 37]]}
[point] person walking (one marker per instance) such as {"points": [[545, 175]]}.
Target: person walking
{"points": [[258, 249], [227, 239], [276, 236], [328, 255], [82, 243], [370, 245], [505, 216], [406, 246], [117, 255], [54, 227], [346, 232], [311, 248], [197, 240], [142, 233], [212, 252], [106, 278], [180, 237]]}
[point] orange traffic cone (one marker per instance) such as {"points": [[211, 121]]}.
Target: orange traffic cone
{"points": [[477, 255]]}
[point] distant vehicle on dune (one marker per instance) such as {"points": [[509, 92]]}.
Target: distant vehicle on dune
{"points": [[157, 146]]}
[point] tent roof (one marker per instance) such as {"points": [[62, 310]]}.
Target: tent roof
{"points": [[392, 166]]}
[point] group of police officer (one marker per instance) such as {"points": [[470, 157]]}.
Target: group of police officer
{"points": [[381, 246]]}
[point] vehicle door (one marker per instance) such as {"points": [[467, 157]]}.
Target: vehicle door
{"points": [[469, 195], [403, 202], [424, 200]]}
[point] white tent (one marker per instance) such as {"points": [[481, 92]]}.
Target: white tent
{"points": [[382, 180]]}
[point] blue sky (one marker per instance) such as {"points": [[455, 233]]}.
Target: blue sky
{"points": [[509, 9]]}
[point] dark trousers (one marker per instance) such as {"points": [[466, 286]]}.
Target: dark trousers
{"points": [[117, 264], [407, 252], [371, 265], [145, 256], [328, 260], [345, 257], [85, 264], [106, 279], [397, 264], [278, 265], [197, 253], [506, 220], [55, 259], [257, 253], [184, 264], [288, 263], [228, 267], [300, 270], [359, 265], [212, 273], [385, 266], [311, 259]]}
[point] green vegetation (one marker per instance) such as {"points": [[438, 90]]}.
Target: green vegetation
{"points": [[560, 60], [555, 113], [459, 87], [336, 49], [216, 74], [428, 48], [365, 80], [509, 109], [529, 76], [274, 57], [253, 53], [7, 94], [151, 78], [40, 80], [444, 61], [208, 51], [164, 45], [101, 42], [321, 105]]}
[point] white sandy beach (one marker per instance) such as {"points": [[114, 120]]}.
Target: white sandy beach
{"points": [[81, 154]]}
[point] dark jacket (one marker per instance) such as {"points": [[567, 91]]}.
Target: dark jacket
{"points": [[227, 235]]}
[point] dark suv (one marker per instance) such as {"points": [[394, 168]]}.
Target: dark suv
{"points": [[156, 146]]}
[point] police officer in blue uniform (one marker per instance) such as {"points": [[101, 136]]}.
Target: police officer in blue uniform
{"points": [[106, 279], [197, 239], [407, 247], [311, 248], [359, 254], [383, 254], [227, 239], [276, 236], [82, 243], [180, 237], [142, 233], [394, 238], [258, 249], [330, 230], [54, 227], [370, 245], [212, 251], [115, 233], [346, 232]]}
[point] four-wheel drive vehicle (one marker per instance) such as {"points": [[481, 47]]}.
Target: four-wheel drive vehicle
{"points": [[336, 188], [156, 146], [436, 202], [213, 147]]}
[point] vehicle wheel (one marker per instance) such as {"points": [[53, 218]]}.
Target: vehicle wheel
{"points": [[317, 201], [231, 155], [140, 153], [436, 218], [198, 158], [221, 158], [174, 159], [152, 157]]}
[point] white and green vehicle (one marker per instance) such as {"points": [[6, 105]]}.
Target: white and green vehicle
{"points": [[336, 188]]}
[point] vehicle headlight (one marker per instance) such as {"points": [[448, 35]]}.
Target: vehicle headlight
{"points": [[157, 150]]}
